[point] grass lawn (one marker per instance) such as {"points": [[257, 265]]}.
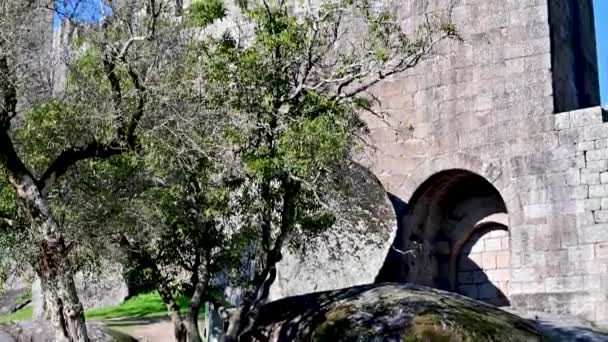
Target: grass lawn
{"points": [[142, 306], [19, 315]]}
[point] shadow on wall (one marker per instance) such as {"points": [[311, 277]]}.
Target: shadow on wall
{"points": [[452, 236], [393, 268]]}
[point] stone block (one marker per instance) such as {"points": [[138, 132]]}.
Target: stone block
{"points": [[492, 244], [583, 268], [516, 287], [579, 191], [573, 177], [557, 165], [582, 309], [594, 132], [592, 282], [498, 275], [602, 143], [585, 218], [525, 274], [580, 162], [537, 196], [503, 259], [590, 204], [604, 177], [497, 234], [568, 137], [598, 191], [546, 239], [542, 210], [601, 251], [600, 216], [537, 286], [594, 233], [564, 284], [604, 203], [504, 243], [488, 260], [585, 146], [555, 284], [585, 117], [581, 252], [601, 312], [596, 165], [562, 120], [590, 177], [601, 154]]}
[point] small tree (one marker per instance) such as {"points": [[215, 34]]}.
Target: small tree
{"points": [[293, 86]]}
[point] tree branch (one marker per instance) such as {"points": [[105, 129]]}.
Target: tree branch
{"points": [[401, 66], [9, 159], [72, 155], [126, 138], [7, 221]]}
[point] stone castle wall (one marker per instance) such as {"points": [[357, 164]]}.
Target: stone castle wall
{"points": [[487, 107]]}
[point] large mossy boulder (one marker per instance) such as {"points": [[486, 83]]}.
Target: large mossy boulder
{"points": [[388, 312]]}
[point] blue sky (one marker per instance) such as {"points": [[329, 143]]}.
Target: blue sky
{"points": [[87, 10], [601, 34]]}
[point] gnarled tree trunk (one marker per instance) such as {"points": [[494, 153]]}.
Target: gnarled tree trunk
{"points": [[191, 325], [191, 321], [179, 328], [53, 267]]}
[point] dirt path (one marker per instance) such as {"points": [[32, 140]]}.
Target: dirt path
{"points": [[146, 330]]}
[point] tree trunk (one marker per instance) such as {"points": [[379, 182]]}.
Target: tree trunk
{"points": [[195, 306], [62, 303], [67, 320], [191, 324], [179, 328], [56, 278]]}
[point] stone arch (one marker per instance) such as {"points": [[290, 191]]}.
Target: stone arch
{"points": [[492, 172], [445, 210]]}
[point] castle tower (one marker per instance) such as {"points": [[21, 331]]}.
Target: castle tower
{"points": [[505, 174]]}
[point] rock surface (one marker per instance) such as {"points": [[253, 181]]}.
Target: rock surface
{"points": [[389, 312], [38, 331], [352, 251]]}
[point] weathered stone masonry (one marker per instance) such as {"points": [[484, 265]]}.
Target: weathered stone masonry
{"points": [[487, 107]]}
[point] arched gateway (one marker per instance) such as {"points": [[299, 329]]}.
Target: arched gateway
{"points": [[454, 237]]}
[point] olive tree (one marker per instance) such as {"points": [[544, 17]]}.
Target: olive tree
{"points": [[293, 84]]}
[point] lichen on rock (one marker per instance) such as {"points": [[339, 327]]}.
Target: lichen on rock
{"points": [[389, 312]]}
